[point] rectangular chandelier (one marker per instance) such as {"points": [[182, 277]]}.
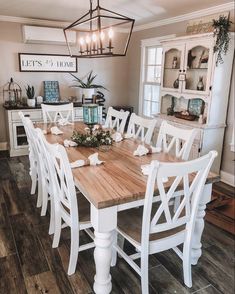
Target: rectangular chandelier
{"points": [[100, 33]]}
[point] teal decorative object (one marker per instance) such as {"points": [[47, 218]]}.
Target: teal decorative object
{"points": [[90, 115]]}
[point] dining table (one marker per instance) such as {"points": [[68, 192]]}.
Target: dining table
{"points": [[116, 185]]}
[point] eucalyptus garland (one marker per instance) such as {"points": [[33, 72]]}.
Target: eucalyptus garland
{"points": [[221, 32], [98, 138]]}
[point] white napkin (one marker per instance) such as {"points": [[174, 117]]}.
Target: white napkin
{"points": [[146, 170], [128, 136], [156, 149], [140, 151], [94, 160], [77, 163], [69, 143], [56, 131], [117, 137], [64, 122]]}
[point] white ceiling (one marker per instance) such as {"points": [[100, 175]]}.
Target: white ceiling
{"points": [[143, 11]]}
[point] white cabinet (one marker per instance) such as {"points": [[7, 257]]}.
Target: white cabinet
{"points": [[188, 60], [17, 140]]}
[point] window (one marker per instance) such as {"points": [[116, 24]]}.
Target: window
{"points": [[150, 76], [151, 80]]}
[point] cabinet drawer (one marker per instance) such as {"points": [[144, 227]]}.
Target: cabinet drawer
{"points": [[34, 115]]}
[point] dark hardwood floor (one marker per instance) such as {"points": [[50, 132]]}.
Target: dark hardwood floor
{"points": [[28, 264]]}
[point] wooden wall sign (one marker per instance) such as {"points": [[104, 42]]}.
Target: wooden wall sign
{"points": [[30, 62]]}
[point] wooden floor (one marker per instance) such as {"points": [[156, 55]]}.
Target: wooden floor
{"points": [[28, 264]]}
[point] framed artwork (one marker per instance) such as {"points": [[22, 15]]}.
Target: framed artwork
{"points": [[30, 62], [196, 106], [51, 91]]}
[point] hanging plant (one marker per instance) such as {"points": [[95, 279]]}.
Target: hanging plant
{"points": [[221, 33]]}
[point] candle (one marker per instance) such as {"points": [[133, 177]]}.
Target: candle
{"points": [[94, 42], [101, 40], [88, 40], [110, 38], [81, 45]]}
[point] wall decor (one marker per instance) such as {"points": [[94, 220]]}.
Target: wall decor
{"points": [[30, 62], [51, 91], [204, 24]]}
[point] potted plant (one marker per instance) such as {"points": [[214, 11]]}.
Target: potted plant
{"points": [[88, 88], [221, 33], [30, 96]]}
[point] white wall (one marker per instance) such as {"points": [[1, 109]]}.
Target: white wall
{"points": [[110, 71]]}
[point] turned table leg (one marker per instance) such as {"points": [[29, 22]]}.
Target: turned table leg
{"points": [[104, 222], [196, 251]]}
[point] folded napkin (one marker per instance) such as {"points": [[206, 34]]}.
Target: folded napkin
{"points": [[69, 143], [117, 137], [56, 131], [92, 160], [142, 150], [146, 170], [64, 122], [128, 136]]}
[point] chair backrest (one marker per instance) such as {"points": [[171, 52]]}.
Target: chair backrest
{"points": [[116, 119], [141, 127], [189, 177], [171, 137], [51, 113], [62, 179]]}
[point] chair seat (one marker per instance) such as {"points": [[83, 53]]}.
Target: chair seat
{"points": [[83, 208], [130, 223]]}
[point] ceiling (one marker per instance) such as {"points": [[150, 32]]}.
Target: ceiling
{"points": [[143, 11]]}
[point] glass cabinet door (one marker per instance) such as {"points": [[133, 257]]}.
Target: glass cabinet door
{"points": [[198, 62], [19, 136], [173, 63]]}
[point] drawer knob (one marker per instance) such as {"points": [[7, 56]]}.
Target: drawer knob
{"points": [[27, 115]]}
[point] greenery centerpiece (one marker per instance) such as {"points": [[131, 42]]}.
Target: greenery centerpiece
{"points": [[97, 138], [88, 86], [221, 32]]}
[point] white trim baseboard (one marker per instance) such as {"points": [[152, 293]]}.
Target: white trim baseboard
{"points": [[227, 178], [184, 17], [3, 146]]}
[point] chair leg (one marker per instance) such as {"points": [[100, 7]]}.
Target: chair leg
{"points": [[120, 241], [144, 274], [56, 237], [34, 182], [39, 199], [52, 218], [44, 200], [114, 252], [73, 250], [187, 266]]}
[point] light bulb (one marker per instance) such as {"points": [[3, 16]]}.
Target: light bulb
{"points": [[88, 39], [94, 37], [102, 35], [81, 41], [110, 33]]}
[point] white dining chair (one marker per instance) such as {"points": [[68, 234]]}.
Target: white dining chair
{"points": [[33, 158], [69, 210], [52, 113], [44, 180], [156, 227], [141, 127], [178, 141], [116, 119]]}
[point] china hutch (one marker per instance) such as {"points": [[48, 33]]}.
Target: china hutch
{"points": [[195, 90]]}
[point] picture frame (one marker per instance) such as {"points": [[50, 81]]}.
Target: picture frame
{"points": [[33, 62]]}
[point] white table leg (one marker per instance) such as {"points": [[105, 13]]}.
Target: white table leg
{"points": [[196, 251], [104, 222]]}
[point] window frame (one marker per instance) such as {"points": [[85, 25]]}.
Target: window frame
{"points": [[145, 44]]}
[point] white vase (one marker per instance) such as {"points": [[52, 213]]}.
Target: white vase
{"points": [[31, 102], [87, 93]]}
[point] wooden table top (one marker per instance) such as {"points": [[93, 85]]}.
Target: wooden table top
{"points": [[119, 180]]}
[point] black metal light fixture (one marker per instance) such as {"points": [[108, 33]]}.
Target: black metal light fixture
{"points": [[100, 33]]}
